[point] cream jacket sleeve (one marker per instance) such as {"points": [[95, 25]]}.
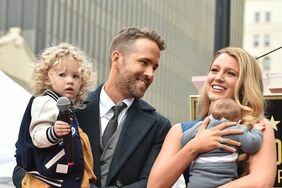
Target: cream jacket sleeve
{"points": [[44, 113]]}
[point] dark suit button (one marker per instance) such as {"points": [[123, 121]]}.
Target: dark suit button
{"points": [[102, 162], [118, 183], [77, 179]]}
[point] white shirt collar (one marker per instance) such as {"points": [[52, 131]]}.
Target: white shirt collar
{"points": [[106, 102]]}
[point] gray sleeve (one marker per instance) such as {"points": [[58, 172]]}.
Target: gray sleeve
{"points": [[250, 139], [190, 133]]}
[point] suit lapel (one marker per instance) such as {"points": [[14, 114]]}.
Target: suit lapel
{"points": [[89, 120], [135, 127]]}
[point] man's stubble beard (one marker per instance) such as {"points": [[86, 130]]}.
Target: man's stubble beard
{"points": [[129, 86]]}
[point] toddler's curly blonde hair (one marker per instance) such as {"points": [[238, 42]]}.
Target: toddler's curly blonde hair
{"points": [[52, 56]]}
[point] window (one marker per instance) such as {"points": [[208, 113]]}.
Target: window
{"points": [[266, 40], [257, 17], [256, 40], [266, 64], [267, 17]]}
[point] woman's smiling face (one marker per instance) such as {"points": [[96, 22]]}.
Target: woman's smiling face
{"points": [[222, 77]]}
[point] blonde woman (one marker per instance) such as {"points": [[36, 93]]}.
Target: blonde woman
{"points": [[233, 74]]}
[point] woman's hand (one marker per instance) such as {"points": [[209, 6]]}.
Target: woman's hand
{"points": [[260, 126], [209, 139]]}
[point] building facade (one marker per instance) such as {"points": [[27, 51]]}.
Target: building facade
{"points": [[262, 32]]}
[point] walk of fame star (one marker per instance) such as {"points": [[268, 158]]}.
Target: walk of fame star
{"points": [[274, 123]]}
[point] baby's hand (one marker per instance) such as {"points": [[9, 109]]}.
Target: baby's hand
{"points": [[61, 128], [259, 126]]}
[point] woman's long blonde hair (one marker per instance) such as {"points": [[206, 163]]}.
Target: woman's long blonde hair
{"points": [[248, 90]]}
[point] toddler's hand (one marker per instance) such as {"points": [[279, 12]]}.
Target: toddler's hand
{"points": [[61, 128]]}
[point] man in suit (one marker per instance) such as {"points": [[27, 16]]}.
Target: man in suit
{"points": [[127, 159]]}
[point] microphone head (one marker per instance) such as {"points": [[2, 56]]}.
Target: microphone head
{"points": [[63, 103]]}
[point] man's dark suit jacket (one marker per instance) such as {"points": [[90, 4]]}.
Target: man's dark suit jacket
{"points": [[140, 141]]}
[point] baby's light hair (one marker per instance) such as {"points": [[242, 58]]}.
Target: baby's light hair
{"points": [[226, 108]]}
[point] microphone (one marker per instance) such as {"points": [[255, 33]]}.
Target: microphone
{"points": [[63, 105]]}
